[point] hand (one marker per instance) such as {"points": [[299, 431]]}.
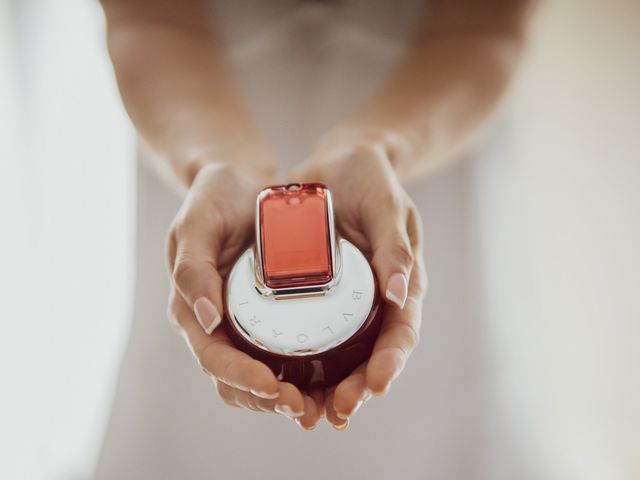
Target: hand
{"points": [[373, 211], [213, 227]]}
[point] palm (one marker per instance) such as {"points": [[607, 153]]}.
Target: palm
{"points": [[375, 214]]}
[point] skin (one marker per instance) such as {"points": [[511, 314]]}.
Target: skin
{"points": [[177, 89]]}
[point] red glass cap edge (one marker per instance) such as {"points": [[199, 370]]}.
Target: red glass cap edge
{"points": [[295, 235]]}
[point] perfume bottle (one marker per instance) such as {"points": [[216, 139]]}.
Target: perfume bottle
{"points": [[302, 300]]}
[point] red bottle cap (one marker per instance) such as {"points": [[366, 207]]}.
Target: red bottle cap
{"points": [[295, 235]]}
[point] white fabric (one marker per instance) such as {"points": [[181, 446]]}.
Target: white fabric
{"points": [[302, 66], [518, 374], [528, 364], [66, 237]]}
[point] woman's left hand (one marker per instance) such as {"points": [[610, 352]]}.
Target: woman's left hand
{"points": [[374, 212]]}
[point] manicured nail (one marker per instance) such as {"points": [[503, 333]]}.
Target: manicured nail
{"points": [[345, 416], [287, 411], [312, 427], [362, 401], [397, 289], [342, 426], [265, 395], [383, 391], [207, 314]]}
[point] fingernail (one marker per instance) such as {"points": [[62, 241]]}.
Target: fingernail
{"points": [[312, 427], [265, 395], [383, 391], [287, 411], [345, 416], [397, 289], [207, 314], [342, 426]]}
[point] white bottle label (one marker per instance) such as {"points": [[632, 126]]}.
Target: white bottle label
{"points": [[307, 325]]}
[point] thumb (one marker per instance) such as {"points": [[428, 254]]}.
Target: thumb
{"points": [[195, 273], [392, 256]]}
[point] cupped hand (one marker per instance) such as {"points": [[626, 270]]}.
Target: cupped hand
{"points": [[214, 225], [374, 212]]}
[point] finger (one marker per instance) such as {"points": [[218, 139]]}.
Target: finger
{"points": [[332, 417], [290, 401], [417, 286], [392, 252], [318, 396], [239, 398], [224, 361], [195, 274], [398, 336], [351, 393], [226, 392], [218, 357], [311, 415], [184, 320]]}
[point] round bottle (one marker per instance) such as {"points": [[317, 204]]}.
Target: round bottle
{"points": [[301, 300]]}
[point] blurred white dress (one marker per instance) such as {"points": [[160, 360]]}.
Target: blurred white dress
{"points": [[303, 66]]}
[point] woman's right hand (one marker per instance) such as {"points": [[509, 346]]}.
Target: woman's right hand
{"points": [[213, 226]]}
